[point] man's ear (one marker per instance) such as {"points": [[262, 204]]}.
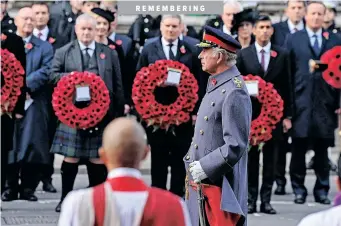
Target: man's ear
{"points": [[102, 155], [146, 152]]}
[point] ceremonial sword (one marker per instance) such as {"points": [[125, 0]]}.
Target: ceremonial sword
{"points": [[201, 204]]}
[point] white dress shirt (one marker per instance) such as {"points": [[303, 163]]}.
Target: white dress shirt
{"points": [[330, 217], [299, 26], [312, 39], [226, 31], [91, 47], [77, 208], [44, 33], [165, 47], [27, 39], [267, 55]]}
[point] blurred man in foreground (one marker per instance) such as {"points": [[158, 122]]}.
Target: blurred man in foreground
{"points": [[124, 147]]}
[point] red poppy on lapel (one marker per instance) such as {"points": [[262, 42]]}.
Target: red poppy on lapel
{"points": [[273, 53], [119, 42], [3, 37], [214, 81], [112, 46], [326, 35], [182, 49], [29, 45], [102, 56], [51, 40]]}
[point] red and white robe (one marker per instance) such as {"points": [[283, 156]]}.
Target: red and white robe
{"points": [[123, 200]]}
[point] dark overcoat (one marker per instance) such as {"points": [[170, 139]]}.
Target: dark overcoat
{"points": [[31, 139], [315, 100]]}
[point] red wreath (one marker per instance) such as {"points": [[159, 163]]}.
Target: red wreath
{"points": [[68, 113], [271, 111], [12, 72], [157, 114], [332, 75]]}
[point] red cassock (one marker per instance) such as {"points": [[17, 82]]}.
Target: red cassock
{"points": [[216, 216], [162, 208]]}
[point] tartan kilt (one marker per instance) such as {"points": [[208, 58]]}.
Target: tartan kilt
{"points": [[69, 143]]}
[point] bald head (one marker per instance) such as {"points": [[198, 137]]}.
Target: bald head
{"points": [[124, 142], [24, 21]]}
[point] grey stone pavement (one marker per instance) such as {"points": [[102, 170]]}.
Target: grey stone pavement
{"points": [[41, 213]]}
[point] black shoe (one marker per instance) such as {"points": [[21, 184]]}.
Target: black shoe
{"points": [[251, 208], [323, 200], [58, 207], [267, 208], [299, 199], [29, 196], [48, 187], [9, 195], [280, 190]]}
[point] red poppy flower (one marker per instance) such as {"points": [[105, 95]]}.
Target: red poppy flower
{"points": [[119, 42], [111, 46], [182, 49], [326, 35], [273, 53], [3, 37], [51, 40], [102, 56], [29, 45], [332, 75]]}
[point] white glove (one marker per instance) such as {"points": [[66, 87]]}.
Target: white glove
{"points": [[197, 172]]}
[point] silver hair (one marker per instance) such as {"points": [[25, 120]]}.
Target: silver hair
{"points": [[234, 3], [230, 58], [87, 17], [171, 16]]}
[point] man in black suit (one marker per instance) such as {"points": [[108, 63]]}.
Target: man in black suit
{"points": [[315, 118], [271, 63], [84, 54], [15, 45], [168, 149], [7, 22], [295, 11]]}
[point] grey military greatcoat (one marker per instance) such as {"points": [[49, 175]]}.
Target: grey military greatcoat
{"points": [[220, 142]]}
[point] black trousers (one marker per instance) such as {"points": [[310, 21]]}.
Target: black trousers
{"points": [[269, 157], [321, 167], [29, 175], [165, 155], [283, 148], [7, 129], [46, 175]]}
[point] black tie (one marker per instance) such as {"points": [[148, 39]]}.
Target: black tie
{"points": [[171, 54], [86, 58]]}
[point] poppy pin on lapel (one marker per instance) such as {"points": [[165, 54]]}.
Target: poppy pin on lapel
{"points": [[119, 42], [112, 46], [3, 37], [28, 46], [102, 56], [51, 40], [214, 81], [326, 35], [273, 53], [183, 50]]}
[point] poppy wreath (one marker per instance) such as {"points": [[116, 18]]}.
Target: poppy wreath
{"points": [[271, 111], [332, 75], [68, 113], [157, 114], [12, 74]]}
